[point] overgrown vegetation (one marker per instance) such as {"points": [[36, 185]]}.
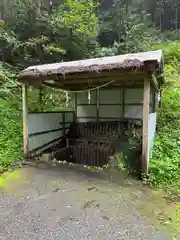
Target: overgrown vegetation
{"points": [[34, 32], [165, 162], [39, 31]]}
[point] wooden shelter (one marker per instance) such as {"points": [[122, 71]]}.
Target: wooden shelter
{"points": [[118, 89]]}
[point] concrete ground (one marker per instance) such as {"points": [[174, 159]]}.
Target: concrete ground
{"points": [[64, 203]]}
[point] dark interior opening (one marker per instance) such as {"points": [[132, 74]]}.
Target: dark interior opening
{"points": [[93, 143]]}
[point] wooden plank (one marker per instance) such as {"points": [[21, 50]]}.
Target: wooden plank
{"points": [[112, 104], [103, 77], [118, 80], [146, 100], [115, 118], [93, 75], [25, 117], [83, 86], [38, 80], [125, 86]]}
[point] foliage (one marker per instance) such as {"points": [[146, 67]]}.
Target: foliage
{"points": [[77, 15], [171, 35], [47, 99], [11, 134], [10, 118], [31, 33], [134, 35], [165, 162], [171, 52]]}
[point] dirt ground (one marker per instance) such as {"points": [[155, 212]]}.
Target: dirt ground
{"points": [[68, 202]]}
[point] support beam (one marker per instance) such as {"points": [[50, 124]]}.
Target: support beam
{"points": [[123, 101], [80, 83], [146, 101], [41, 98], [75, 106], [25, 117], [64, 123], [97, 100]]}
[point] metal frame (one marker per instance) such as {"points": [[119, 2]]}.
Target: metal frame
{"points": [[49, 144], [48, 131], [50, 112]]}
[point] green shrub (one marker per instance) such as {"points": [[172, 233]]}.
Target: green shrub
{"points": [[11, 134], [165, 163]]}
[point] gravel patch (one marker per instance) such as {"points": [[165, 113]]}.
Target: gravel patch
{"points": [[65, 205]]}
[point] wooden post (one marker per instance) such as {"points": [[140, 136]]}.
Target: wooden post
{"points": [[146, 102], [25, 117], [97, 106], [64, 123], [123, 101], [75, 107], [40, 98]]}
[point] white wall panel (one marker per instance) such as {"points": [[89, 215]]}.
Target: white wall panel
{"points": [[86, 111], [67, 125], [69, 116], [133, 111], [110, 96], [151, 132], [82, 98], [133, 95], [40, 140], [39, 122], [110, 111]]}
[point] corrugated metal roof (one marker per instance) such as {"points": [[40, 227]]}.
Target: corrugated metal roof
{"points": [[123, 62]]}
